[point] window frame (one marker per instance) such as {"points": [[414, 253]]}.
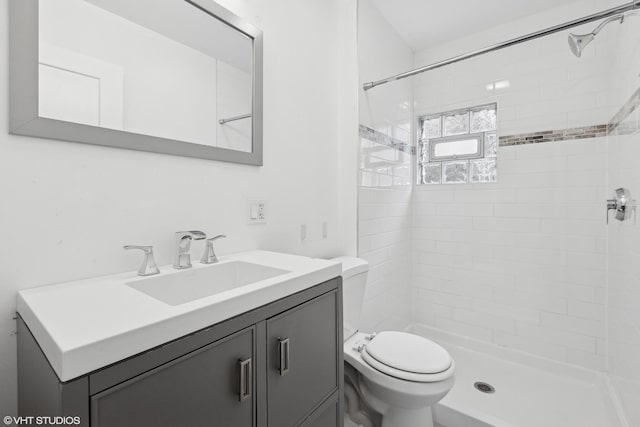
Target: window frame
{"points": [[425, 147], [433, 142]]}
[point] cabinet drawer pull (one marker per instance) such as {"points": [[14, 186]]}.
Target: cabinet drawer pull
{"points": [[284, 355], [246, 379]]}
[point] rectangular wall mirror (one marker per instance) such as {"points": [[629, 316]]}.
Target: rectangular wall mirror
{"points": [[181, 77]]}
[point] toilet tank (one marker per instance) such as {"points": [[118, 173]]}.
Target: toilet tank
{"points": [[354, 282]]}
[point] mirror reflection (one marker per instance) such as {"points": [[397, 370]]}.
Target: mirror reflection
{"points": [[165, 69]]}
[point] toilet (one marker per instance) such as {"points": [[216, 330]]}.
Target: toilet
{"points": [[391, 378]]}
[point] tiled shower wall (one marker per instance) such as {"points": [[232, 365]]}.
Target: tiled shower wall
{"points": [[539, 85], [521, 263], [624, 237], [385, 241], [384, 207]]}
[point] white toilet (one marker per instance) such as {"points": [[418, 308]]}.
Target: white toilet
{"points": [[396, 374]]}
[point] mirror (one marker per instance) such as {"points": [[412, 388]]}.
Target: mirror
{"points": [[179, 77]]}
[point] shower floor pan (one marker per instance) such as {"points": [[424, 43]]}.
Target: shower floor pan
{"points": [[529, 391]]}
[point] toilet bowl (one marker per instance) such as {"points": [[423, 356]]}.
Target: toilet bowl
{"points": [[399, 375]]}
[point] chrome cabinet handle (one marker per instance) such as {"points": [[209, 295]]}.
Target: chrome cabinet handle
{"points": [[283, 344], [246, 379]]}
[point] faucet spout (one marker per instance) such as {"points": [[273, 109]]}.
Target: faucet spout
{"points": [[183, 244]]}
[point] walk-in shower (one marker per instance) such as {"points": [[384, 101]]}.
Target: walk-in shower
{"points": [[519, 276]]}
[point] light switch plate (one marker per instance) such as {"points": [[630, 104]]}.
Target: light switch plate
{"points": [[257, 211]]}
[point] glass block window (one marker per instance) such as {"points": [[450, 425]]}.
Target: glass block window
{"points": [[457, 147], [455, 123]]}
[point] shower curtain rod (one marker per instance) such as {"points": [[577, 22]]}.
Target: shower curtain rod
{"points": [[532, 36]]}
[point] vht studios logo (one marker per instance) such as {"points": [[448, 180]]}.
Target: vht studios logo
{"points": [[41, 421]]}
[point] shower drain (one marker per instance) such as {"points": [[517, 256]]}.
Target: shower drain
{"points": [[484, 387]]}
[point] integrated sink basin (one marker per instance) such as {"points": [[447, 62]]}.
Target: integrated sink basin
{"points": [[193, 284], [84, 325]]}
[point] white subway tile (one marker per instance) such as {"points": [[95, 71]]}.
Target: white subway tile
{"points": [[485, 320], [367, 227], [586, 260], [464, 210], [530, 210], [556, 336], [435, 310], [506, 224], [519, 298], [444, 222], [540, 348], [473, 331], [508, 311], [423, 195], [579, 276], [485, 196], [587, 162], [578, 325], [587, 310], [449, 300]]}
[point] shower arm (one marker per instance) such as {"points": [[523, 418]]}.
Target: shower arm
{"points": [[613, 12], [619, 17]]}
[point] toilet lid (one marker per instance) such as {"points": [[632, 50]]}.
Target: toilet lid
{"points": [[409, 353]]}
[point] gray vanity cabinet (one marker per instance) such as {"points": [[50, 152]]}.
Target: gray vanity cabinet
{"points": [[279, 365], [301, 359], [210, 386], [327, 417]]}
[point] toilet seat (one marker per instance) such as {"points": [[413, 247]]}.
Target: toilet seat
{"points": [[408, 357]]}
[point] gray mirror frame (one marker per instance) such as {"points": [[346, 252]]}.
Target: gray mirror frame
{"points": [[24, 118]]}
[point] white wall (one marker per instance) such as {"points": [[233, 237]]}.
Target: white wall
{"points": [[623, 237], [521, 263], [385, 192], [68, 208]]}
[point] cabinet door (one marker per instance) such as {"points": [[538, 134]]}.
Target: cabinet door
{"points": [[212, 386], [302, 359], [329, 417]]}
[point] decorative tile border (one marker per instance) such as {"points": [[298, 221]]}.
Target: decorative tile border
{"points": [[617, 125], [554, 135], [383, 139]]}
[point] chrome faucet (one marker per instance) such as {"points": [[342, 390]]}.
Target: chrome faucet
{"points": [[209, 256], [183, 243], [148, 266]]}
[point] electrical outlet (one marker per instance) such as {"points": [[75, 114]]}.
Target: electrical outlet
{"points": [[257, 211]]}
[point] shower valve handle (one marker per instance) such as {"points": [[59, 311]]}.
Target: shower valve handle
{"points": [[622, 204]]}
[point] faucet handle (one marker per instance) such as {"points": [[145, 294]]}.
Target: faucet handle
{"points": [[209, 256], [195, 234], [148, 266]]}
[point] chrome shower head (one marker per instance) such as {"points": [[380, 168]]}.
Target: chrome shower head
{"points": [[577, 42]]}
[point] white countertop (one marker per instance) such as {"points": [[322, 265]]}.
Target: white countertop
{"points": [[85, 325]]}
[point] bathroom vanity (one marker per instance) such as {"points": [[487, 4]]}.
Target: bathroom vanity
{"points": [[267, 352]]}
